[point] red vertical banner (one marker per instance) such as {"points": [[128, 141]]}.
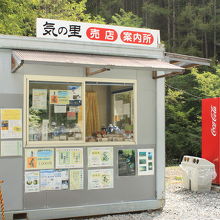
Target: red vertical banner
{"points": [[210, 133]]}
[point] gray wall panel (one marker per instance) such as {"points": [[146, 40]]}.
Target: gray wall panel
{"points": [[11, 171]]}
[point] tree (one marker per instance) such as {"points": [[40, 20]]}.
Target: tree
{"points": [[124, 18]]}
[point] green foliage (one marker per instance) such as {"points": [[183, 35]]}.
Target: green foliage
{"points": [[18, 17], [183, 110], [128, 19]]}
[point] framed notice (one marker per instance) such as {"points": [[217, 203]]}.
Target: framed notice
{"points": [[11, 148], [69, 158], [145, 162], [39, 159], [11, 123], [100, 156], [100, 179]]}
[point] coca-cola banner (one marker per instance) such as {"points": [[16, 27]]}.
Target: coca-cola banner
{"points": [[210, 133], [78, 31]]}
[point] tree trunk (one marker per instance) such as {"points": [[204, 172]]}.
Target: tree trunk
{"points": [[174, 25], [168, 24], [214, 40]]}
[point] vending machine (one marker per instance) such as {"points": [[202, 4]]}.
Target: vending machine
{"points": [[211, 133]]}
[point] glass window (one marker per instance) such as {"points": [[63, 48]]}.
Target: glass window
{"points": [[109, 112], [55, 111], [69, 111]]}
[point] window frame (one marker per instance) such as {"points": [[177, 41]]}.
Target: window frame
{"points": [[83, 80]]}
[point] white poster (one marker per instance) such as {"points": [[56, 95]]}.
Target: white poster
{"points": [[100, 156], [76, 179], [119, 107], [39, 99], [59, 108], [11, 148], [54, 180], [11, 123], [45, 125], [32, 181], [69, 158], [100, 179], [145, 162]]}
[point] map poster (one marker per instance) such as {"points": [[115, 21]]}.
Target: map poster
{"points": [[100, 179], [69, 158], [100, 156], [39, 159], [11, 123], [145, 162], [76, 179], [32, 181]]}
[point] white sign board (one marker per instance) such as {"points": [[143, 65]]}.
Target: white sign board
{"points": [[78, 31]]}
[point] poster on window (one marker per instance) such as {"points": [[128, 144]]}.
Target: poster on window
{"points": [[39, 159], [39, 99], [69, 158], [145, 162], [59, 97], [11, 123], [100, 179], [32, 181], [54, 180], [100, 156], [11, 148], [76, 179]]}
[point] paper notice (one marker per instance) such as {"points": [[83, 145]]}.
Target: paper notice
{"points": [[11, 123], [100, 179], [100, 156], [39, 159], [39, 99], [32, 181], [76, 179], [126, 109], [54, 180], [69, 157], [119, 107], [59, 108], [145, 162], [60, 97], [11, 148]]}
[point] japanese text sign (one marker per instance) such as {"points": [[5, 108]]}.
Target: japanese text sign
{"points": [[70, 30]]}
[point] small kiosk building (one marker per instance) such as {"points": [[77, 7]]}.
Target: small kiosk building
{"points": [[82, 120]]}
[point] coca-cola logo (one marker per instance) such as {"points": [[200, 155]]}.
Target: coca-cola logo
{"points": [[214, 118]]}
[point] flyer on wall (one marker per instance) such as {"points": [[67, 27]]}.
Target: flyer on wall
{"points": [[76, 179], [32, 180], [145, 162], [11, 123], [39, 159], [54, 180], [100, 179], [69, 158], [100, 156], [11, 148]]}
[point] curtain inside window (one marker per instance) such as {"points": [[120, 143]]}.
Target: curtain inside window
{"points": [[92, 113]]}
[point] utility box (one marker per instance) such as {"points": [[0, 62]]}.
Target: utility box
{"points": [[210, 133]]}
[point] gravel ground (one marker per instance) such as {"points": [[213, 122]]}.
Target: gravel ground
{"points": [[181, 204]]}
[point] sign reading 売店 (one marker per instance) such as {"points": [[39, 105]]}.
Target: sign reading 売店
{"points": [[70, 30]]}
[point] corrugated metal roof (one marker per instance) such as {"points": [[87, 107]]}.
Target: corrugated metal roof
{"points": [[25, 56]]}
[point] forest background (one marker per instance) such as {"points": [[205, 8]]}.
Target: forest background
{"points": [[189, 27]]}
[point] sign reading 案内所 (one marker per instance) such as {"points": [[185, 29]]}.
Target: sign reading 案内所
{"points": [[70, 30]]}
